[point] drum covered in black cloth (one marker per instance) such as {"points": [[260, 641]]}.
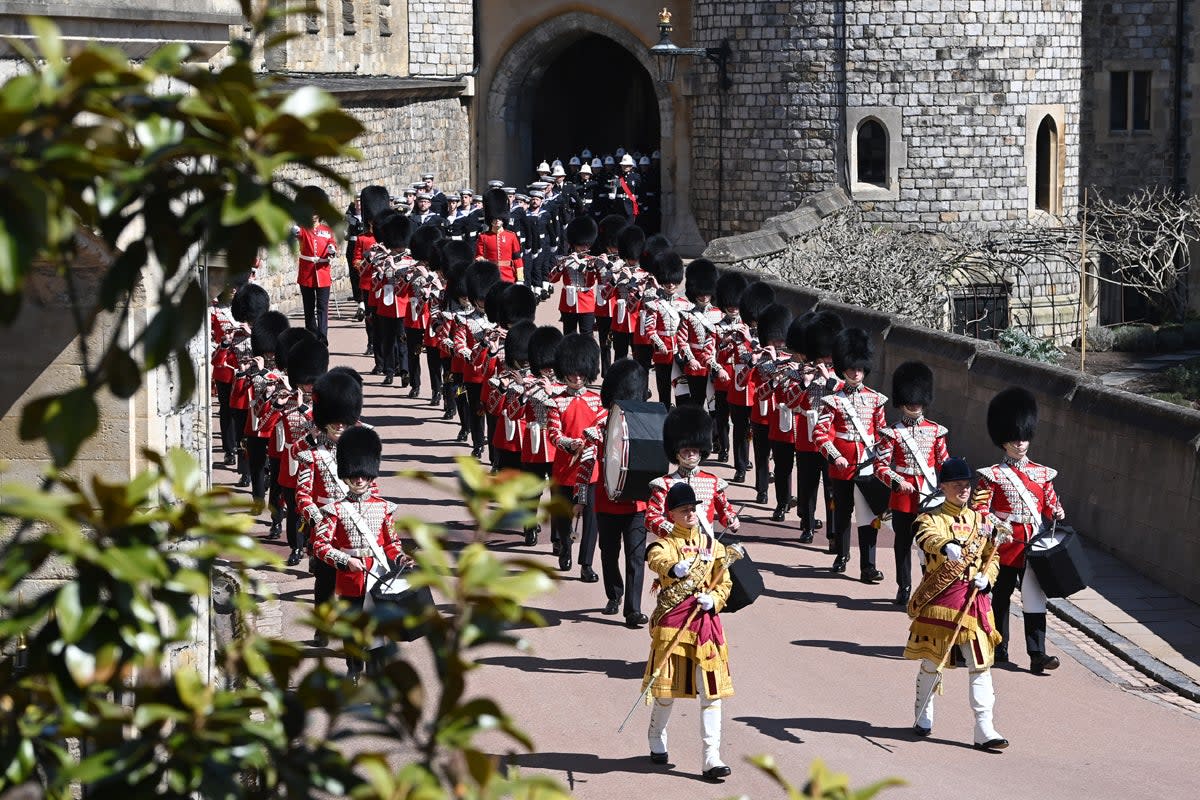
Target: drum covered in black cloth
{"points": [[747, 580], [1057, 558], [633, 449]]}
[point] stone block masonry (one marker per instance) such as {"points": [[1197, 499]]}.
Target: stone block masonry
{"points": [[441, 40]]}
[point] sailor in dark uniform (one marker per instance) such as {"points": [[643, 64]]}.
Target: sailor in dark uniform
{"points": [[624, 190], [424, 215], [438, 202], [541, 234], [465, 221]]}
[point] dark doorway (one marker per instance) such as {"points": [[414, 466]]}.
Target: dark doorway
{"points": [[594, 95]]}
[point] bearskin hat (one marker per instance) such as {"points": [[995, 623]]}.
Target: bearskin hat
{"points": [[394, 231], [797, 333], [516, 342], [653, 252], [626, 379], [348, 371], [495, 205], [687, 426], [730, 287], [631, 240], [249, 303], [582, 231], [1012, 416], [518, 303], [609, 227], [577, 354], [337, 396], [479, 278], [307, 360], [670, 268], [542, 347], [754, 300], [314, 197], [424, 242], [286, 341], [852, 349], [821, 332], [701, 279], [773, 323], [492, 308], [451, 254], [359, 452], [375, 200], [264, 334], [912, 385]]}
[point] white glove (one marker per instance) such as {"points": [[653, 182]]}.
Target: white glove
{"points": [[681, 569], [705, 601], [981, 582], [953, 551]]}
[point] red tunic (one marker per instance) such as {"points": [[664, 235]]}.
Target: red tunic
{"points": [[837, 435], [578, 274], [316, 246], [903, 446], [1007, 504], [711, 502], [505, 249], [346, 529], [570, 415]]}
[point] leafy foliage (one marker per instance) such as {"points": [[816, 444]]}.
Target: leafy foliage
{"points": [[823, 784], [89, 140], [1135, 338], [1019, 343]]}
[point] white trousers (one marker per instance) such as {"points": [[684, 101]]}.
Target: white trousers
{"points": [[1033, 597], [710, 724], [981, 693]]}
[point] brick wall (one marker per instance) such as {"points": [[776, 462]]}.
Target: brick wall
{"points": [[367, 37], [441, 37]]}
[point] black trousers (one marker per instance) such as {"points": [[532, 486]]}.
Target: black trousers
{"points": [[628, 531], [316, 310], [370, 327], [741, 436], [1035, 624], [225, 419], [843, 509], [783, 453], [762, 455], [902, 524], [256, 454], [433, 360], [560, 526], [475, 414], [578, 323], [721, 422], [621, 342], [643, 354], [293, 517], [414, 338], [275, 491], [603, 332], [324, 580], [387, 331], [240, 439], [508, 459], [662, 379], [811, 469], [355, 291]]}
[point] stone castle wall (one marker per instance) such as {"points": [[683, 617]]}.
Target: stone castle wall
{"points": [[367, 37], [441, 39]]}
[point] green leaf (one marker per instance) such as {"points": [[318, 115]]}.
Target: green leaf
{"points": [[306, 101], [65, 421], [122, 373]]}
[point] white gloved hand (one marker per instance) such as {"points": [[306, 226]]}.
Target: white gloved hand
{"points": [[953, 551], [681, 569], [705, 601], [981, 582]]}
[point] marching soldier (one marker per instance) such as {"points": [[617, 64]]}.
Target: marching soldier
{"points": [[307, 361], [698, 330], [729, 292], [624, 190], [424, 214], [497, 244], [579, 272], [233, 355], [541, 236], [740, 349], [770, 422], [662, 314], [465, 222], [687, 439], [912, 450], [438, 202], [535, 400], [1021, 493], [389, 262], [317, 247], [952, 620], [421, 285], [468, 334]]}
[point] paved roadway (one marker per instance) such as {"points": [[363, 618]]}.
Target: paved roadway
{"points": [[817, 665]]}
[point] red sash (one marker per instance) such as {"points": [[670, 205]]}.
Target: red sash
{"points": [[632, 197]]}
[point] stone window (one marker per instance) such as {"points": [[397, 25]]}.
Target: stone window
{"points": [[875, 152], [1044, 162], [1129, 100], [979, 310]]}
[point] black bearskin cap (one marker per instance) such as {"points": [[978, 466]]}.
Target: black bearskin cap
{"points": [[518, 303], [451, 254], [424, 242], [797, 333], [307, 360], [582, 231], [495, 205], [542, 347], [631, 240], [730, 287], [264, 334], [359, 452], [687, 426], [773, 323], [1012, 416], [375, 200], [912, 385], [626, 379], [653, 251], [394, 231], [286, 341], [249, 303], [479, 278], [852, 349], [314, 197], [516, 343], [577, 354], [492, 308], [701, 279], [669, 268], [822, 330], [609, 227], [754, 300], [337, 396]]}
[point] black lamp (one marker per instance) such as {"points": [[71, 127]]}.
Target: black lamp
{"points": [[667, 52]]}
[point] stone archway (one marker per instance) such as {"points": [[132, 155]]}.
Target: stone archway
{"points": [[506, 137]]}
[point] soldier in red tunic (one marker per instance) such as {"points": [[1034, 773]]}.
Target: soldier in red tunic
{"points": [[687, 438], [662, 314], [911, 453], [847, 434], [507, 381], [231, 357], [307, 360], [1021, 493], [627, 280], [422, 284], [263, 380], [771, 423], [497, 244], [472, 326], [579, 272], [697, 345], [728, 329], [317, 247], [574, 410], [532, 402], [741, 347]]}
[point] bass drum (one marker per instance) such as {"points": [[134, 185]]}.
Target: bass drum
{"points": [[1057, 558], [633, 449]]}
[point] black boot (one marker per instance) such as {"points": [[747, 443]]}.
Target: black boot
{"points": [[780, 512], [1035, 644]]}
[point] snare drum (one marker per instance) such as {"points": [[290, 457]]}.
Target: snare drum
{"points": [[1057, 559]]}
